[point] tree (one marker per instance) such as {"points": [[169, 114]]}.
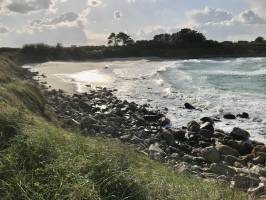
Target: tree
{"points": [[112, 40], [163, 38], [124, 39], [187, 36], [259, 40]]}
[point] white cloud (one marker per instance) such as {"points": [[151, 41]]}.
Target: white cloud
{"points": [[245, 26], [3, 30], [249, 17], [64, 20], [27, 6], [149, 32], [259, 6], [209, 15]]}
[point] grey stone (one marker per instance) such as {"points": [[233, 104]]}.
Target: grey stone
{"points": [[261, 171], [257, 191], [208, 126], [193, 126], [244, 182], [239, 134], [261, 159], [227, 150], [210, 154], [221, 169], [155, 152], [229, 116]]}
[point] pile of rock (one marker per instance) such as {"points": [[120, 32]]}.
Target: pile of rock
{"points": [[196, 148]]}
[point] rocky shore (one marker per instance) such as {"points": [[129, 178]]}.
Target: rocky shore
{"points": [[196, 148]]}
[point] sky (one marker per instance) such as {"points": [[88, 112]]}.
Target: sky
{"points": [[89, 22]]}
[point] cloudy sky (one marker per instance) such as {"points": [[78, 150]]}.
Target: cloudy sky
{"points": [[88, 22]]}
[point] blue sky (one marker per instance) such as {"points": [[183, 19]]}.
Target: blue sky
{"points": [[88, 22]]}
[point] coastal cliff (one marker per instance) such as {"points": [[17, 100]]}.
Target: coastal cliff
{"points": [[49, 152]]}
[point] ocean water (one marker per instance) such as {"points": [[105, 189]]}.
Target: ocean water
{"points": [[214, 86]]}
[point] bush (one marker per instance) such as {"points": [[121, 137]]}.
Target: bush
{"points": [[10, 124]]}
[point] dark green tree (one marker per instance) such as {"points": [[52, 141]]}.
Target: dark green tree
{"points": [[112, 40], [259, 40], [124, 39], [163, 38], [187, 36]]}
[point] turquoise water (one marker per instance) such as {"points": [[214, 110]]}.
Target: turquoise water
{"points": [[247, 75]]}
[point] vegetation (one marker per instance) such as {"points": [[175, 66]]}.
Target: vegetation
{"points": [[39, 160], [120, 39], [185, 44]]}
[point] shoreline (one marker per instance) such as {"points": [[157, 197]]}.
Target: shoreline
{"points": [[58, 80], [196, 148]]}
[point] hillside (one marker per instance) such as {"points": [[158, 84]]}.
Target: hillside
{"points": [[40, 160]]}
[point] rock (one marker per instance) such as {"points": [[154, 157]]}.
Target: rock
{"points": [[219, 133], [207, 119], [261, 197], [263, 180], [229, 116], [193, 126], [230, 159], [206, 133], [226, 150], [211, 154], [189, 106], [243, 147], [244, 182], [196, 168], [257, 119], [204, 144], [168, 136], [261, 159], [179, 134], [85, 105], [164, 121], [193, 160], [221, 169], [175, 156], [239, 134], [261, 171], [125, 138], [247, 158], [208, 176], [223, 178], [238, 164], [136, 140], [257, 191], [88, 122], [188, 158], [244, 115], [132, 106], [183, 168], [259, 149], [208, 126], [151, 118], [155, 152]]}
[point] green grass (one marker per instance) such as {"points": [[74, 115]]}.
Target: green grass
{"points": [[39, 160]]}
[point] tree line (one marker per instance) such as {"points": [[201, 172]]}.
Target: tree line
{"points": [[186, 36], [186, 43]]}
